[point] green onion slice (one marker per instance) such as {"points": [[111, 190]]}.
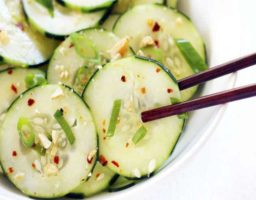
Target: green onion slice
{"points": [[139, 135], [85, 48], [174, 100], [48, 4], [26, 132], [33, 80], [191, 55], [183, 116], [82, 77], [65, 126], [114, 117], [154, 53]]}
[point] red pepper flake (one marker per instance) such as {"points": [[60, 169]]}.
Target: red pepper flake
{"points": [[123, 78], [97, 175], [33, 165], [115, 163], [10, 170], [158, 70], [31, 102], [20, 26], [14, 89], [56, 160], [169, 90], [71, 45], [10, 71], [90, 160], [127, 145], [103, 160], [14, 153], [157, 43], [156, 27], [143, 90]]}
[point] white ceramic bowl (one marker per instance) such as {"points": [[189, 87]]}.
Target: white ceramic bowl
{"points": [[217, 21]]}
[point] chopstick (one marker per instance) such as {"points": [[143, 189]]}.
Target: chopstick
{"points": [[203, 102], [218, 71], [210, 100]]}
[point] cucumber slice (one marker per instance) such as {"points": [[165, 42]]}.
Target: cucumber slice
{"points": [[87, 6], [172, 3], [62, 167], [19, 44], [110, 22], [13, 83], [159, 29], [69, 67], [141, 84], [98, 182], [121, 183], [123, 5], [63, 23]]}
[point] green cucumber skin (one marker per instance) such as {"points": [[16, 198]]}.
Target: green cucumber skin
{"points": [[62, 37], [87, 9], [13, 104], [204, 48], [140, 58]]}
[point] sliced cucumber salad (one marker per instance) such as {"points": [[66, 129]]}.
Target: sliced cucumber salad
{"points": [[62, 21], [153, 35], [20, 45], [45, 134], [129, 86], [81, 54], [70, 122]]}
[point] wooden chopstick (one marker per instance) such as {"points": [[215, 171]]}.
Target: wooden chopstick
{"points": [[210, 100], [218, 71], [202, 102]]}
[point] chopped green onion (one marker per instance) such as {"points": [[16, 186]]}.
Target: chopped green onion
{"points": [[114, 117], [191, 55], [48, 4], [82, 77], [85, 48], [174, 100], [183, 116], [40, 150], [26, 132], [139, 135], [154, 53], [65, 126], [33, 80]]}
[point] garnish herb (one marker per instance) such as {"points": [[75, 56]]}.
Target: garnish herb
{"points": [[82, 77], [65, 126], [33, 80], [174, 100], [183, 116], [139, 135], [26, 132], [48, 4], [85, 48], [114, 117], [191, 55]]}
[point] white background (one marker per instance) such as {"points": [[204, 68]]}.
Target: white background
{"points": [[225, 166]]}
